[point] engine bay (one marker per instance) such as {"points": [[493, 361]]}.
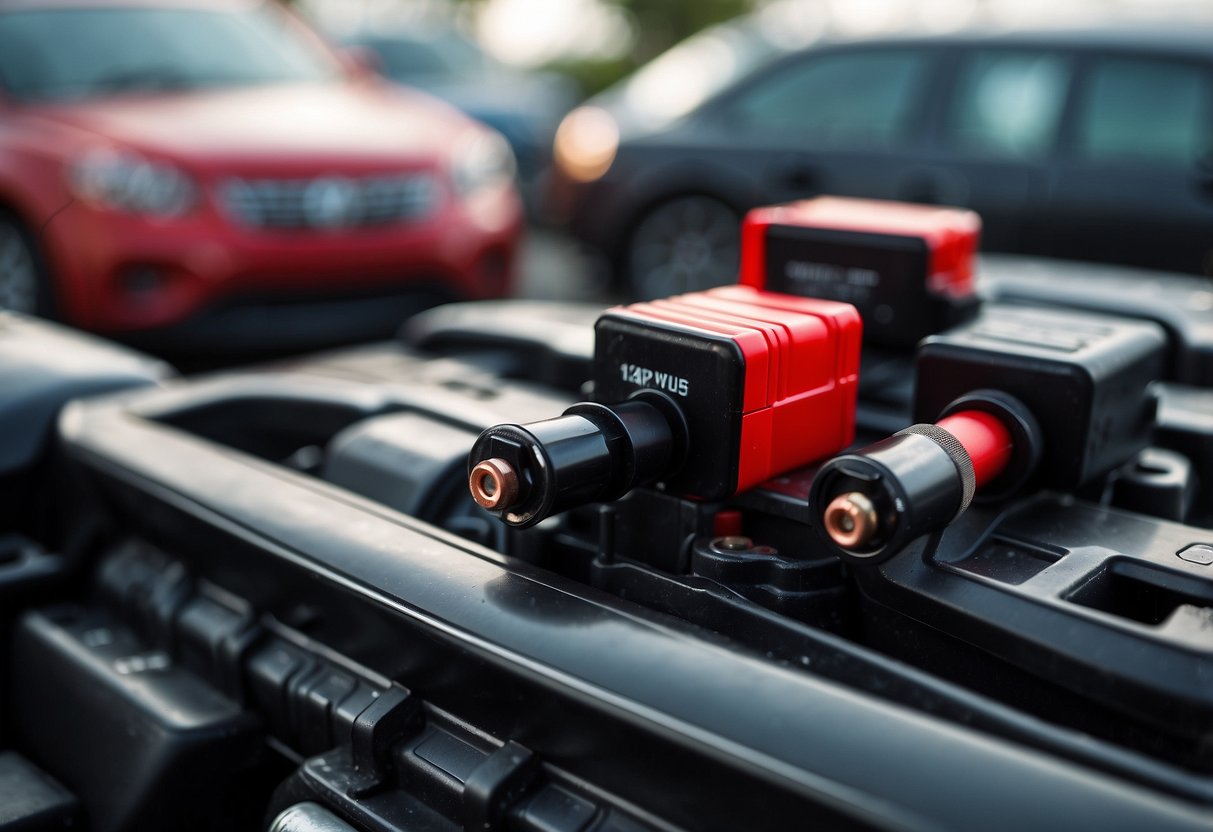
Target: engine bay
{"points": [[265, 599]]}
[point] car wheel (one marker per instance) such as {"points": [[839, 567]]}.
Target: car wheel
{"points": [[684, 245], [23, 284]]}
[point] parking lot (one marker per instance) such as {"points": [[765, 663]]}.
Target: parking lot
{"points": [[552, 267], [871, 490]]}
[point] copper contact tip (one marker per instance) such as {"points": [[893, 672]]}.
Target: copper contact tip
{"points": [[850, 520], [494, 484]]}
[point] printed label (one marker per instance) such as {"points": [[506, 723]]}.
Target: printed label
{"points": [[644, 377], [851, 283]]}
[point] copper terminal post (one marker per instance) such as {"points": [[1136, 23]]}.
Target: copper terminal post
{"points": [[494, 484]]}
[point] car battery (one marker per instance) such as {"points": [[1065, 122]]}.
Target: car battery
{"points": [[907, 268], [704, 394]]}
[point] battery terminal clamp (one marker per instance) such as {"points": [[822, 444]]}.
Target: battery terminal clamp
{"points": [[1027, 397], [873, 502], [591, 453], [703, 395]]}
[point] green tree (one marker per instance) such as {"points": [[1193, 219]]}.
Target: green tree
{"points": [[659, 24]]}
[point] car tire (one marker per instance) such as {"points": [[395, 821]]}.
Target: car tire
{"points": [[24, 283], [685, 244]]}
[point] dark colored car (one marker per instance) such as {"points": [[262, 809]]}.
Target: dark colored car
{"points": [[218, 170], [1089, 145], [525, 107]]}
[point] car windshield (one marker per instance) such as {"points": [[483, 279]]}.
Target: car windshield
{"points": [[436, 56], [680, 79], [67, 53]]}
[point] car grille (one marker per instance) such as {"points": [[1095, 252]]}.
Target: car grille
{"points": [[330, 202]]}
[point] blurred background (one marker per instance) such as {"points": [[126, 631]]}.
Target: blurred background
{"points": [[598, 42], [213, 182]]}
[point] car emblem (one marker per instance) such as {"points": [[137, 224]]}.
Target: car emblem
{"points": [[330, 203]]}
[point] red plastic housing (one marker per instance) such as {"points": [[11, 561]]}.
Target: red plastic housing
{"points": [[985, 438], [796, 394], [951, 235]]}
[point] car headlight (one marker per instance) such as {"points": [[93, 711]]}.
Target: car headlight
{"points": [[586, 143], [480, 160], [126, 181]]}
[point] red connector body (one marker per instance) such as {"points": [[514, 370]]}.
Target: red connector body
{"points": [[908, 268], [704, 395], [767, 382]]}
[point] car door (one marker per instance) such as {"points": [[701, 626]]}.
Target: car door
{"points": [[837, 121], [996, 128], [1129, 186]]}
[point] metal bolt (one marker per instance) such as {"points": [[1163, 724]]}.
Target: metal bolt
{"points": [[733, 543], [850, 520], [494, 484]]}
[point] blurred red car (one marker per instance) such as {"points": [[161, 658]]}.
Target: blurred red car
{"points": [[214, 169]]}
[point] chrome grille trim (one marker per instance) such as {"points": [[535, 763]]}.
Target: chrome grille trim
{"points": [[329, 202]]}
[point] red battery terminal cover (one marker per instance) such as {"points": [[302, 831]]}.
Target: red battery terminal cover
{"points": [[767, 381], [951, 235]]}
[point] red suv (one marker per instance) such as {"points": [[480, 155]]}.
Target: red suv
{"points": [[214, 168]]}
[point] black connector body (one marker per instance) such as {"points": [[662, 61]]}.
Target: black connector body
{"points": [[1086, 378], [1056, 399], [592, 452]]}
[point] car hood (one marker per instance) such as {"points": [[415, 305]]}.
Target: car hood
{"points": [[355, 123]]}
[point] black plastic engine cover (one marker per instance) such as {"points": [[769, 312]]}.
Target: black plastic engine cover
{"points": [[146, 744]]}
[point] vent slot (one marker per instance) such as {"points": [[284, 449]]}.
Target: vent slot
{"points": [[1141, 593]]}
